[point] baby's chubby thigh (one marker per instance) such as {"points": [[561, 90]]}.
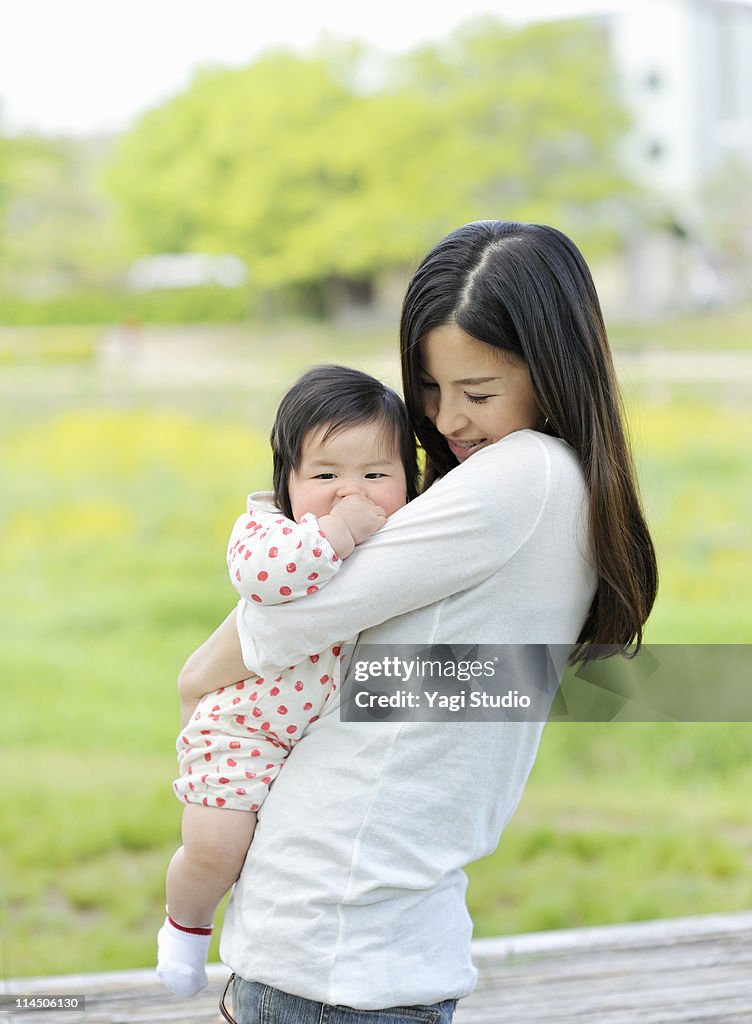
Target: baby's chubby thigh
{"points": [[225, 760]]}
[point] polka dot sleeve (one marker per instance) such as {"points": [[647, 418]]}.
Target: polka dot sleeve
{"points": [[272, 559]]}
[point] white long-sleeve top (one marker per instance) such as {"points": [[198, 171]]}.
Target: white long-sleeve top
{"points": [[353, 891]]}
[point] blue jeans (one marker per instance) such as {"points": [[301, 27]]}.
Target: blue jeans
{"points": [[254, 1003]]}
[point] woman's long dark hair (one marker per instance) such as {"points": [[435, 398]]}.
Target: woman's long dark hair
{"points": [[526, 288]]}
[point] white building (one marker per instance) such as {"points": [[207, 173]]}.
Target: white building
{"points": [[686, 72]]}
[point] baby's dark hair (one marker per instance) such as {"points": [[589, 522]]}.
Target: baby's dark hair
{"points": [[331, 398]]}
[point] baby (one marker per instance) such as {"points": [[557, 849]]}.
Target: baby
{"points": [[344, 461]]}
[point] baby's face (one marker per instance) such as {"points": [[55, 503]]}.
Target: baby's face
{"points": [[356, 460]]}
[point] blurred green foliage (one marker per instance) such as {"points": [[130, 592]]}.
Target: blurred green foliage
{"points": [[294, 165], [57, 228], [208, 304], [727, 204], [321, 171]]}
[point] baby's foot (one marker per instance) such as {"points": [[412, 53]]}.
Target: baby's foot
{"points": [[181, 957]]}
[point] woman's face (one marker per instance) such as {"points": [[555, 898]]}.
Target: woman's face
{"points": [[474, 394]]}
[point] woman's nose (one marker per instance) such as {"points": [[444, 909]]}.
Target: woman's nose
{"points": [[448, 418]]}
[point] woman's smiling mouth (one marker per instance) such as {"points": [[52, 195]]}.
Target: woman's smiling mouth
{"points": [[464, 449]]}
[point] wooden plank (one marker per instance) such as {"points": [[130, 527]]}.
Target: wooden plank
{"points": [[682, 970], [694, 970], [121, 997], [637, 933]]}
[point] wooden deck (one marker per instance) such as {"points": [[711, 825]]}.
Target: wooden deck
{"points": [[694, 969]]}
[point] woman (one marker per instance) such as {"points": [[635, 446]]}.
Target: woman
{"points": [[529, 531]]}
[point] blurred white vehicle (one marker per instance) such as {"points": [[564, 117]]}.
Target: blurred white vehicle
{"points": [[186, 270]]}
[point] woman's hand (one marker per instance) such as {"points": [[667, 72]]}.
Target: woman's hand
{"points": [[187, 710], [217, 662]]}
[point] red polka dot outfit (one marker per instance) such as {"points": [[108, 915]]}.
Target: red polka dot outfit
{"points": [[239, 736]]}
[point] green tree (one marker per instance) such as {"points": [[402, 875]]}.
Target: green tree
{"points": [[536, 123], [236, 163], [726, 202], [57, 223], [293, 165], [8, 180]]}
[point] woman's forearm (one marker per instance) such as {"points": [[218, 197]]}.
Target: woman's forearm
{"points": [[217, 662], [448, 539]]}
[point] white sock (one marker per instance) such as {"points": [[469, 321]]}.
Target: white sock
{"points": [[181, 957]]}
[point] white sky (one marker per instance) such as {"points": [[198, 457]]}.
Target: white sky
{"points": [[79, 66]]}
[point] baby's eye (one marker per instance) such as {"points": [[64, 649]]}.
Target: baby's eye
{"points": [[324, 476], [374, 476], [476, 398]]}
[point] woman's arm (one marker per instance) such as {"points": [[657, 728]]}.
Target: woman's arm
{"points": [[217, 662], [450, 538]]}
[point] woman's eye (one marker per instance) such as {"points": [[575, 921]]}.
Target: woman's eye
{"points": [[476, 398]]}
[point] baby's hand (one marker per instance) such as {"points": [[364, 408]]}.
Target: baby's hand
{"points": [[362, 516], [351, 521]]}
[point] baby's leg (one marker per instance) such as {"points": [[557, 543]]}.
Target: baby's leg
{"points": [[215, 843]]}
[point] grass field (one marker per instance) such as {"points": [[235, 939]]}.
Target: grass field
{"points": [[114, 523], [68, 345]]}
